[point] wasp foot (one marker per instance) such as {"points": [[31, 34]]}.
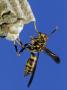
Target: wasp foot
{"points": [[17, 53]]}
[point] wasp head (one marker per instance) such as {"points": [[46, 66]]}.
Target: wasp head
{"points": [[43, 37]]}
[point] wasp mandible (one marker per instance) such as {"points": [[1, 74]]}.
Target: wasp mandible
{"points": [[35, 47]]}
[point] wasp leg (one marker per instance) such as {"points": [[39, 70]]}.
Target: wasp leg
{"points": [[36, 27], [52, 55], [20, 43], [17, 52], [2, 36], [23, 48], [33, 72]]}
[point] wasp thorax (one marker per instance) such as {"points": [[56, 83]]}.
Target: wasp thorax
{"points": [[33, 41]]}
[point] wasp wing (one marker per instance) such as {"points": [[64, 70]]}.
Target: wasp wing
{"points": [[33, 72], [52, 55]]}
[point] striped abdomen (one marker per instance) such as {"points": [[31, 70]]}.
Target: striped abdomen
{"points": [[30, 64]]}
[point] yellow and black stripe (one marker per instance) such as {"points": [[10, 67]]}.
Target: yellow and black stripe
{"points": [[30, 64]]}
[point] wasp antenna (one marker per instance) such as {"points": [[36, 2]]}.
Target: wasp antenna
{"points": [[36, 27], [54, 30]]}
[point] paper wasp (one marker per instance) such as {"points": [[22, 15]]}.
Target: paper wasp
{"points": [[37, 45]]}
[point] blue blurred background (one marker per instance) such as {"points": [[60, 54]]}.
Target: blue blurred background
{"points": [[49, 75]]}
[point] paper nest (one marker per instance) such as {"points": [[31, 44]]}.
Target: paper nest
{"points": [[14, 13]]}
